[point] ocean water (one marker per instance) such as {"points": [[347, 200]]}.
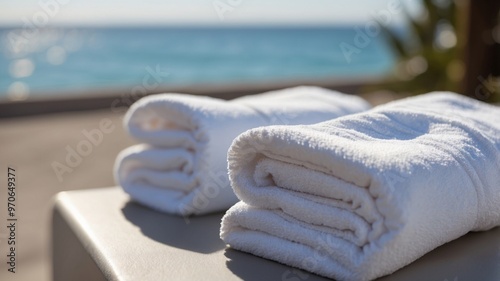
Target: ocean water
{"points": [[63, 61]]}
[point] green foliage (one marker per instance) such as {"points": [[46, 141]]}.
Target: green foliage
{"points": [[428, 57]]}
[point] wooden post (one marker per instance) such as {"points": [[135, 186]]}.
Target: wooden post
{"points": [[482, 53]]}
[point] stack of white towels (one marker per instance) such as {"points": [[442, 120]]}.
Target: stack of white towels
{"points": [[180, 167], [353, 198]]}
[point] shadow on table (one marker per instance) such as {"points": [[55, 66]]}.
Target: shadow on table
{"points": [[474, 256], [250, 267], [198, 234]]}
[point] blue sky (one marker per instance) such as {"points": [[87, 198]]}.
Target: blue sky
{"points": [[178, 12]]}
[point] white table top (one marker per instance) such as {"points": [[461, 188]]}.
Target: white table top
{"points": [[131, 242]]}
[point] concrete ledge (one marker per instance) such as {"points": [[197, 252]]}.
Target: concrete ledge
{"points": [[125, 241]]}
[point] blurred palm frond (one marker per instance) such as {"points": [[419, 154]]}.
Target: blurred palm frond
{"points": [[428, 55]]}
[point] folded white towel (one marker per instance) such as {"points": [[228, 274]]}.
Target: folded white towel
{"points": [[363, 195], [182, 168]]}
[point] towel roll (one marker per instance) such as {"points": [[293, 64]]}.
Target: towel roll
{"points": [[181, 166], [361, 196]]}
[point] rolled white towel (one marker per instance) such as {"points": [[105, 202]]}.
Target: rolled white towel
{"points": [[361, 196], [181, 166]]}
